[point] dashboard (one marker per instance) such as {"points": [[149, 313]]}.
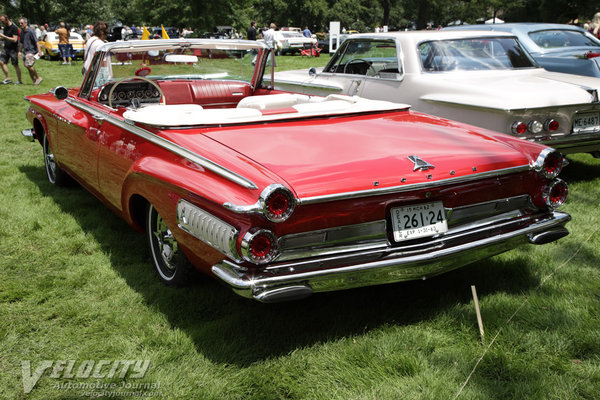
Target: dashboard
{"points": [[125, 92]]}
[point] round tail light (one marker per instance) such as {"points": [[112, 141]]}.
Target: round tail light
{"points": [[260, 246], [519, 128], [555, 194], [278, 203], [535, 127], [549, 163], [551, 125]]}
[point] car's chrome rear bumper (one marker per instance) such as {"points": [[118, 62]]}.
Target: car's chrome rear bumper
{"points": [[300, 278], [571, 144]]}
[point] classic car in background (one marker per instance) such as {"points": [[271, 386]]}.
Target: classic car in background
{"points": [[280, 194], [49, 45], [291, 42], [556, 47], [481, 78]]}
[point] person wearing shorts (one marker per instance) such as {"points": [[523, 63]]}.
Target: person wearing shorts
{"points": [[10, 50], [63, 43], [30, 48]]}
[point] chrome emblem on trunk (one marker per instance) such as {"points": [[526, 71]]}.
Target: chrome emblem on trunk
{"points": [[420, 163]]}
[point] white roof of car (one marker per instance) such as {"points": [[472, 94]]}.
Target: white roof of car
{"points": [[72, 35], [423, 35]]}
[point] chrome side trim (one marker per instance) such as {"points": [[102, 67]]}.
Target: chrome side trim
{"points": [[208, 228], [305, 84], [166, 144], [413, 186]]}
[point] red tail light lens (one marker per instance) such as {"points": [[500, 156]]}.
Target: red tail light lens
{"points": [[549, 163], [259, 247], [519, 128], [555, 194], [278, 203], [592, 54], [551, 125]]}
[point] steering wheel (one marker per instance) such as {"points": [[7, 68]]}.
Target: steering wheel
{"points": [[133, 78], [360, 61]]}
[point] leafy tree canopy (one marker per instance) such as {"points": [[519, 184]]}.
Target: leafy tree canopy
{"points": [[362, 15]]}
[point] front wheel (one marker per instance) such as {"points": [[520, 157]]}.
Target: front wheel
{"points": [[168, 259], [55, 174]]}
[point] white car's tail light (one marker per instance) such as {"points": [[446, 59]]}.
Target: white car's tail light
{"points": [[555, 194], [260, 246], [535, 127], [278, 203], [519, 128], [592, 54], [549, 163], [551, 125]]}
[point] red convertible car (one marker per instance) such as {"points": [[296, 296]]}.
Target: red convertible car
{"points": [[280, 195]]}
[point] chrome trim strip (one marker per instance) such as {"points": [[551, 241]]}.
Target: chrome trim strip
{"points": [[166, 144], [310, 85], [413, 186], [207, 228], [260, 207], [374, 268]]}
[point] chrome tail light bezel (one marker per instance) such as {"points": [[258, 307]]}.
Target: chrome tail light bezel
{"points": [[248, 240], [546, 156], [268, 194], [548, 193]]}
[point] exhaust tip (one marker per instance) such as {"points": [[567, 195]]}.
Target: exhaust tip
{"points": [[284, 293], [548, 236]]}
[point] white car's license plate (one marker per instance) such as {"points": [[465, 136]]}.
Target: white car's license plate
{"points": [[586, 123], [418, 220]]}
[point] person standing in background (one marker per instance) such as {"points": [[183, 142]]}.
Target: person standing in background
{"points": [[100, 34], [63, 43], [595, 25], [251, 34], [269, 37], [10, 51], [30, 48]]}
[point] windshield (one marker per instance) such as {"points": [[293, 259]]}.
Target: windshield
{"points": [[292, 34], [176, 63], [551, 39], [474, 54], [366, 57]]}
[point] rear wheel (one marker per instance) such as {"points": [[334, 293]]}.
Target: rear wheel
{"points": [[55, 174], [168, 259]]}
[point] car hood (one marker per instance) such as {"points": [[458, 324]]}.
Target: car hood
{"points": [[506, 90], [332, 155]]}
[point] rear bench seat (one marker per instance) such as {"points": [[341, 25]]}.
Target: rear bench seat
{"points": [[209, 94]]}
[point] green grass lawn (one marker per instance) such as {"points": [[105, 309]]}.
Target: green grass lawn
{"points": [[76, 283]]}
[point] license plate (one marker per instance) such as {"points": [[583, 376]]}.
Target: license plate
{"points": [[418, 220], [586, 123]]}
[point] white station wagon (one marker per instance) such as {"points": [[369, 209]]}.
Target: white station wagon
{"points": [[481, 78]]}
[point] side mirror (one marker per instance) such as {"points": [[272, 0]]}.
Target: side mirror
{"points": [[312, 71], [61, 93]]}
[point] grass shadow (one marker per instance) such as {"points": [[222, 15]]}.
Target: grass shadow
{"points": [[232, 330]]}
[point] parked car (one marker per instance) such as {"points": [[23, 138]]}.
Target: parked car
{"points": [[291, 42], [157, 32], [481, 78], [280, 195], [49, 45], [556, 47]]}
